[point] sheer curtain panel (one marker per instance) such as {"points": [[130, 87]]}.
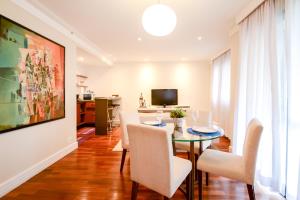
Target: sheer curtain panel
{"points": [[262, 92], [221, 90], [293, 63]]}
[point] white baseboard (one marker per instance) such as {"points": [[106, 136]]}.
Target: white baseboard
{"points": [[25, 175]]}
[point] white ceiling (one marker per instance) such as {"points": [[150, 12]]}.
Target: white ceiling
{"points": [[115, 25]]}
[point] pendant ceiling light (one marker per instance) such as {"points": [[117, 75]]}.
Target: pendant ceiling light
{"points": [[159, 20]]}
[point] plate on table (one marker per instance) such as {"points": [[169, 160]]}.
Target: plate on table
{"points": [[204, 129], [152, 123]]}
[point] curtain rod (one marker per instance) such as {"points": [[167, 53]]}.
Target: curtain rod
{"points": [[220, 54], [251, 8]]}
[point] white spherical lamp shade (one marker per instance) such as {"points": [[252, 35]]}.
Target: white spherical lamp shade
{"points": [[159, 20]]}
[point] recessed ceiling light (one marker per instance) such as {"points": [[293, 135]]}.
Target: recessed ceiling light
{"points": [[81, 59], [139, 39], [199, 38]]}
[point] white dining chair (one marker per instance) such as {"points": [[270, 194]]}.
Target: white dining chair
{"points": [[232, 166], [152, 163], [126, 118]]}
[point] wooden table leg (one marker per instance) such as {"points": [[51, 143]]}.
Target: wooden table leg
{"points": [[173, 144], [174, 148], [200, 148], [200, 174], [192, 179]]}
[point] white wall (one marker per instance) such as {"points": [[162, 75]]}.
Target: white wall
{"points": [[192, 79], [26, 151]]}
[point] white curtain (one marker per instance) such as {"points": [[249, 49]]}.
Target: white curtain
{"points": [[293, 63], [262, 90], [221, 90]]}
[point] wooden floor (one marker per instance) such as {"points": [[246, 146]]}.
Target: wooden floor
{"points": [[92, 172]]}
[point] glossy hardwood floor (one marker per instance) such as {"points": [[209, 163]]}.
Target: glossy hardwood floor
{"points": [[92, 172]]}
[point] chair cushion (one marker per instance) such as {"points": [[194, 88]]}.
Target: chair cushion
{"points": [[222, 164], [186, 146], [182, 168]]}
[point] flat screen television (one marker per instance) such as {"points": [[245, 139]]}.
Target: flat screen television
{"points": [[164, 97]]}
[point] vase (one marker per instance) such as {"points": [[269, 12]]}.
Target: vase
{"points": [[178, 122]]}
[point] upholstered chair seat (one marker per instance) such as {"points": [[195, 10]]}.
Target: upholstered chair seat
{"points": [[222, 163]]}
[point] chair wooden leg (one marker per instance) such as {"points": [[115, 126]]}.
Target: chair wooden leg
{"points": [[196, 171], [187, 184], [123, 159], [200, 184], [251, 192], [134, 190], [206, 178]]}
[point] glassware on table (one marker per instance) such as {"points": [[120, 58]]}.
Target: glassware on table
{"points": [[159, 116], [195, 116]]}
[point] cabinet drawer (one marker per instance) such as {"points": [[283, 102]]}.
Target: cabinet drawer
{"points": [[89, 118]]}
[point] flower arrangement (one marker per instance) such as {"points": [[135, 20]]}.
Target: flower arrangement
{"points": [[177, 113]]}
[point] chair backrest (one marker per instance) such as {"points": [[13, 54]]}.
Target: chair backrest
{"points": [[251, 144], [151, 157], [204, 118], [127, 118]]}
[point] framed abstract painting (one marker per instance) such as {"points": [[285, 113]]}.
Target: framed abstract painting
{"points": [[32, 77]]}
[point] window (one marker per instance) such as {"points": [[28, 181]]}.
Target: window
{"points": [[293, 63], [269, 88], [221, 89]]}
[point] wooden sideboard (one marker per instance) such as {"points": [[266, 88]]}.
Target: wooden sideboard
{"points": [[85, 113], [154, 109]]}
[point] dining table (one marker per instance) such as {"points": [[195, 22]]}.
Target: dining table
{"points": [[188, 134]]}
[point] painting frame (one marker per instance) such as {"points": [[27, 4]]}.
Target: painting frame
{"points": [[63, 77]]}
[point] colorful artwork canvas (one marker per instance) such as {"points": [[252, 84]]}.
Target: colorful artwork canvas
{"points": [[32, 83]]}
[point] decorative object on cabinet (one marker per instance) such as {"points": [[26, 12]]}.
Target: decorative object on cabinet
{"points": [[32, 75], [142, 101]]}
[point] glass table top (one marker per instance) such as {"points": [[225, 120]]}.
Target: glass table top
{"points": [[182, 134]]}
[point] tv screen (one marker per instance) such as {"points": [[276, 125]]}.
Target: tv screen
{"points": [[164, 97]]}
